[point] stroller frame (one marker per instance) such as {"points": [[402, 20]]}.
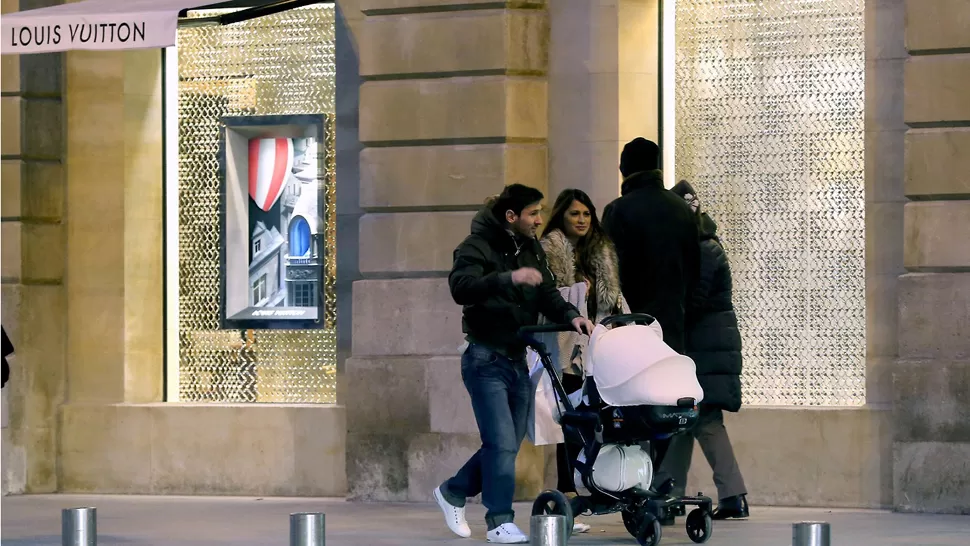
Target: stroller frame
{"points": [[642, 510]]}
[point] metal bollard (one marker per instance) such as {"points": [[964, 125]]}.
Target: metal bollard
{"points": [[79, 527], [308, 529], [810, 533], [549, 530]]}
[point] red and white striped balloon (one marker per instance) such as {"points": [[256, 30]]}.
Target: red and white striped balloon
{"points": [[270, 162]]}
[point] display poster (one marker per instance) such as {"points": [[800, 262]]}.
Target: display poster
{"points": [[274, 230]]}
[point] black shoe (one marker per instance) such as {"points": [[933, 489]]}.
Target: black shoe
{"points": [[666, 487], [731, 508]]}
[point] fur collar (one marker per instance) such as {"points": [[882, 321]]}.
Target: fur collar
{"points": [[560, 255]]}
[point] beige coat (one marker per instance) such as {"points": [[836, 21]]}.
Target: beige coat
{"points": [[570, 348]]}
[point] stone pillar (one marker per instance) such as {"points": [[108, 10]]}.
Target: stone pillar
{"points": [[114, 236], [452, 108], [33, 231], [603, 90], [347, 23], [884, 135], [932, 377]]}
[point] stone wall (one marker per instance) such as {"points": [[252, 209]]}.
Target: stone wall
{"points": [[425, 169], [203, 449], [34, 227], [931, 405], [453, 106], [83, 303], [603, 90], [441, 103]]}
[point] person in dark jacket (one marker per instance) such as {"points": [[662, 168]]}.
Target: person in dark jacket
{"points": [[7, 351], [655, 235], [714, 344], [501, 278]]}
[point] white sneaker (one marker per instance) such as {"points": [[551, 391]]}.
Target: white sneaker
{"points": [[579, 528], [507, 533], [454, 516]]}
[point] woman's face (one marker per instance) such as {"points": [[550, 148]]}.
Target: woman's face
{"points": [[577, 220]]}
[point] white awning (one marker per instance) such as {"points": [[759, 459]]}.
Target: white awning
{"points": [[95, 25]]}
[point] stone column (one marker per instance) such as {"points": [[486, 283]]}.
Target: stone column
{"points": [[452, 108], [33, 264], [932, 377], [114, 230], [347, 22], [884, 135], [603, 90]]}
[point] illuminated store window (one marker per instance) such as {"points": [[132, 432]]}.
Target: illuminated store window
{"points": [[769, 119], [221, 78]]}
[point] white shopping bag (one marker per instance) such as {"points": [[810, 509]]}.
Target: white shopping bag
{"points": [[544, 414]]}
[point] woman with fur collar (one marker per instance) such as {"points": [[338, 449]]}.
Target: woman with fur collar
{"points": [[579, 251], [583, 261]]}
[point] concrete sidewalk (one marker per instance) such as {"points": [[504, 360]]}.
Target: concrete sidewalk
{"points": [[211, 521]]}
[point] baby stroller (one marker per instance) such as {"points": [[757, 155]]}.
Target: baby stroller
{"points": [[637, 390]]}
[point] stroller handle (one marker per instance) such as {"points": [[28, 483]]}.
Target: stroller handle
{"points": [[545, 328], [644, 318]]}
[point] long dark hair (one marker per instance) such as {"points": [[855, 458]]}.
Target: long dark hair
{"points": [[596, 236]]}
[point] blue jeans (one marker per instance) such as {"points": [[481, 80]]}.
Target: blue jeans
{"points": [[501, 394]]}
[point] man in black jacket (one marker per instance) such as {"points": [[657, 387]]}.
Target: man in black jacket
{"points": [[656, 241], [501, 279]]}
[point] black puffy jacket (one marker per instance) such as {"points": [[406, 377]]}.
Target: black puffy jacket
{"points": [[713, 339], [481, 281]]}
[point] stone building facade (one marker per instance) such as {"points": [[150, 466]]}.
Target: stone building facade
{"points": [[439, 104]]}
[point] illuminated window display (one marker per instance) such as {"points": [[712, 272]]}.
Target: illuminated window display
{"points": [[256, 257], [769, 129]]}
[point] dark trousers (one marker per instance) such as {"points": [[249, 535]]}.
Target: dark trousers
{"points": [[713, 437], [567, 452], [501, 394]]}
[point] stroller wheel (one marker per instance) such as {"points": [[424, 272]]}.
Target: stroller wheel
{"points": [[650, 531], [552, 502], [699, 526]]}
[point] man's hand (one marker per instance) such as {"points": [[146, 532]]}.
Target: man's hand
{"points": [[582, 325], [528, 276]]}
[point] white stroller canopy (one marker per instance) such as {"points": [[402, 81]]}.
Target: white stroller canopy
{"points": [[632, 366]]}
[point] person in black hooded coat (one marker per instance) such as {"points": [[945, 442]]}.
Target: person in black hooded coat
{"points": [[713, 342], [712, 337]]}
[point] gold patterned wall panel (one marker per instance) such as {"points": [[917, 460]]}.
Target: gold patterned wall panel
{"points": [[769, 129], [277, 65]]}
